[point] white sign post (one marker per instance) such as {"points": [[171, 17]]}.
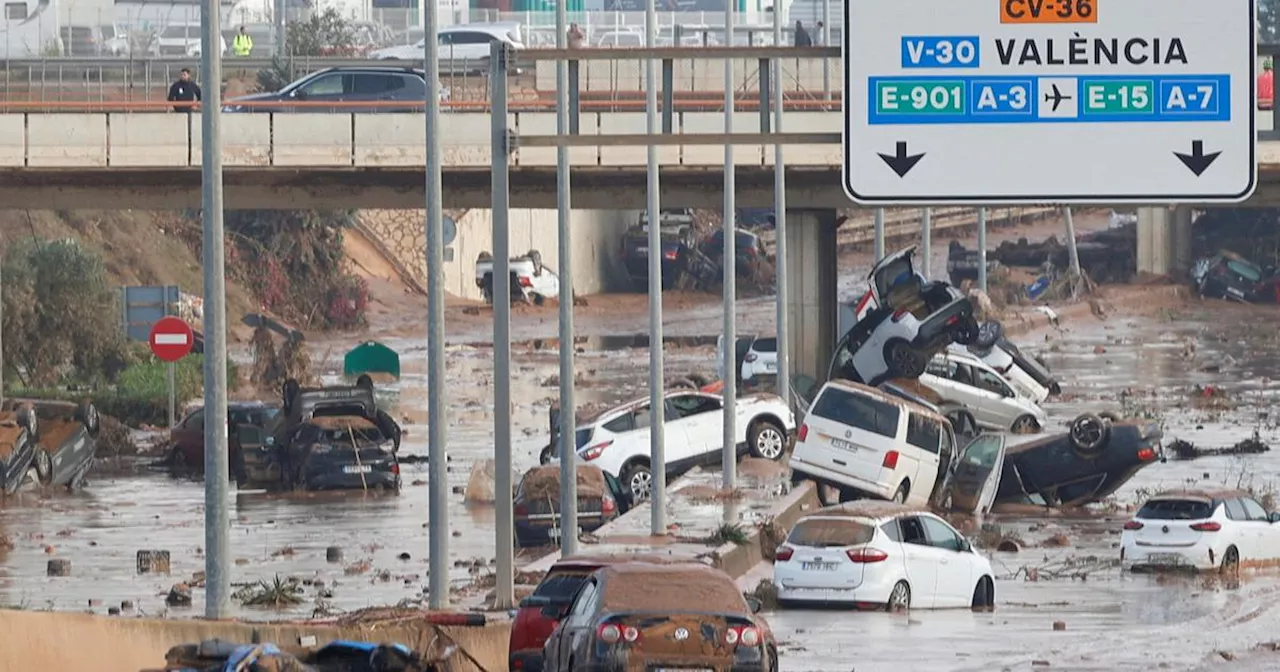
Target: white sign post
{"points": [[1066, 101]]}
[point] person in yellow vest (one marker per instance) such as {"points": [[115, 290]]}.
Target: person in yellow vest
{"points": [[243, 44]]}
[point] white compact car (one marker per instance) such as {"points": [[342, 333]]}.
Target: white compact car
{"points": [[462, 48], [986, 399], [913, 320], [882, 555], [867, 443], [530, 280], [757, 357], [1200, 529], [617, 440]]}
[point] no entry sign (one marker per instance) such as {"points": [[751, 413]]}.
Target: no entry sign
{"points": [[171, 339]]}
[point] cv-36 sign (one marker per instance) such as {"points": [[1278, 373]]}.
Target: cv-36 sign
{"points": [[1016, 101]]}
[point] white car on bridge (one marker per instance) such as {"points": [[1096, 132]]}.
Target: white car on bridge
{"points": [[617, 440]]}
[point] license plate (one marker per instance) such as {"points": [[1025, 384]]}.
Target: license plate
{"points": [[1235, 292], [1164, 559], [642, 251], [843, 445], [770, 367], [357, 469], [818, 566]]}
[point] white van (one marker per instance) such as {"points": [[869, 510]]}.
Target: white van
{"points": [[867, 443]]}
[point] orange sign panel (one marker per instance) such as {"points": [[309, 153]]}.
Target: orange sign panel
{"points": [[1048, 11]]}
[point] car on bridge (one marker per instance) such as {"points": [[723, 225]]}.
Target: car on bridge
{"points": [[346, 87]]}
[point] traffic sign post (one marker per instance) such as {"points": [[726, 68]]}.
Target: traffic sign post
{"points": [[1070, 101], [171, 339]]}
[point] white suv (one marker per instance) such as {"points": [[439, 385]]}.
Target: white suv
{"points": [[988, 400], [865, 442], [617, 440]]}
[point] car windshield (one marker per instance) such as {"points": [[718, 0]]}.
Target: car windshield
{"points": [[560, 585], [893, 273], [1176, 509], [823, 532], [857, 410], [1245, 270]]}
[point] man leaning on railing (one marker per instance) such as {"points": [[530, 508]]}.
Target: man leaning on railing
{"points": [[184, 92]]}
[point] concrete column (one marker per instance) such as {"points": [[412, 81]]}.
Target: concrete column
{"points": [[1182, 253], [811, 289], [1155, 241]]}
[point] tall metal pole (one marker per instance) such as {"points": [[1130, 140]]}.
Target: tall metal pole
{"points": [[281, 26], [826, 42], [982, 249], [1073, 254], [171, 390], [657, 447], [780, 223], [879, 233], [568, 410], [437, 470], [730, 456], [926, 241], [501, 188], [217, 485]]}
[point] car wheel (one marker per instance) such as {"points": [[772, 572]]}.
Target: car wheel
{"points": [[962, 422], [989, 333], [767, 440], [984, 594], [87, 413], [1230, 562], [1025, 424], [900, 497], [1088, 435], [639, 481], [27, 418], [44, 466], [900, 598], [903, 360], [178, 461]]}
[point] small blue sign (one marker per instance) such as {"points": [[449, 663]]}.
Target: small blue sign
{"points": [[941, 51]]}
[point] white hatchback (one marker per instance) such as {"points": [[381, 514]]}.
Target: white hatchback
{"points": [[882, 555], [1201, 529], [987, 398]]}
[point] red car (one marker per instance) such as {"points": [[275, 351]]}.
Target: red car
{"points": [[539, 613], [187, 436]]}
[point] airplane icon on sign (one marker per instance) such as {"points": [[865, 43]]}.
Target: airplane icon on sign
{"points": [[1056, 97]]}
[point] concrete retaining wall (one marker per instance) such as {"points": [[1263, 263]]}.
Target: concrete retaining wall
{"points": [[798, 74], [597, 238]]}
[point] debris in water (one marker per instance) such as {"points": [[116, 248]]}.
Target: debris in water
{"points": [[1059, 626], [58, 567], [1185, 450], [179, 595]]}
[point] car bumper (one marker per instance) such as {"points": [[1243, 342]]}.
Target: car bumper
{"points": [[829, 476], [1199, 557], [796, 585], [337, 479], [525, 661]]}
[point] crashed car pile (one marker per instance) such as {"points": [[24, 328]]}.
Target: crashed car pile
{"points": [[924, 407]]}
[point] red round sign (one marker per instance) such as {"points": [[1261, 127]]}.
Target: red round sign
{"points": [[171, 339]]}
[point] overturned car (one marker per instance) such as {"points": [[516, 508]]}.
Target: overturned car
{"points": [[48, 442], [331, 438]]}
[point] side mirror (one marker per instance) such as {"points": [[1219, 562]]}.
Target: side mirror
{"points": [[965, 546], [299, 94], [755, 605], [1274, 517]]}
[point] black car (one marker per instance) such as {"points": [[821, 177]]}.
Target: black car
{"points": [[1231, 277], [601, 499], [18, 431], [335, 438], [748, 249], [381, 87], [675, 227], [1097, 455], [65, 441]]}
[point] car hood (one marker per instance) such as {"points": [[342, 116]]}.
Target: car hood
{"points": [[270, 95]]}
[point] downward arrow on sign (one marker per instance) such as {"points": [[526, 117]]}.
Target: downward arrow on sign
{"points": [[900, 161], [1197, 161]]}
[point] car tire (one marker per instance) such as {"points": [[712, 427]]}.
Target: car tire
{"points": [[903, 361], [638, 480], [1230, 562], [364, 382], [984, 594], [28, 420], [989, 333], [767, 440], [87, 413], [904, 490], [44, 466], [962, 422], [1109, 416], [1025, 424], [545, 456], [899, 598], [1088, 435]]}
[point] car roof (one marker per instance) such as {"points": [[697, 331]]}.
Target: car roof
{"points": [[1206, 494], [871, 509], [377, 69], [590, 419], [881, 395]]}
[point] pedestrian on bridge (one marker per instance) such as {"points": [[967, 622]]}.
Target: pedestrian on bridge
{"points": [[802, 36], [185, 92], [242, 45]]}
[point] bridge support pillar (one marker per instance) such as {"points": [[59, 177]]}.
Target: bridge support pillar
{"points": [[1164, 240], [811, 290]]}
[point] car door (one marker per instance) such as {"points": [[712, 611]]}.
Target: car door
{"points": [[578, 634], [331, 87], [1244, 534], [696, 417], [375, 88], [921, 561], [955, 583], [1265, 535], [976, 479], [921, 466], [559, 647], [997, 397]]}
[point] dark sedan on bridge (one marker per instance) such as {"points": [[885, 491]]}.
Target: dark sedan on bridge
{"points": [[347, 89]]}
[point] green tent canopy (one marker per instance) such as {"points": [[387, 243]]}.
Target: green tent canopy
{"points": [[371, 357]]}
